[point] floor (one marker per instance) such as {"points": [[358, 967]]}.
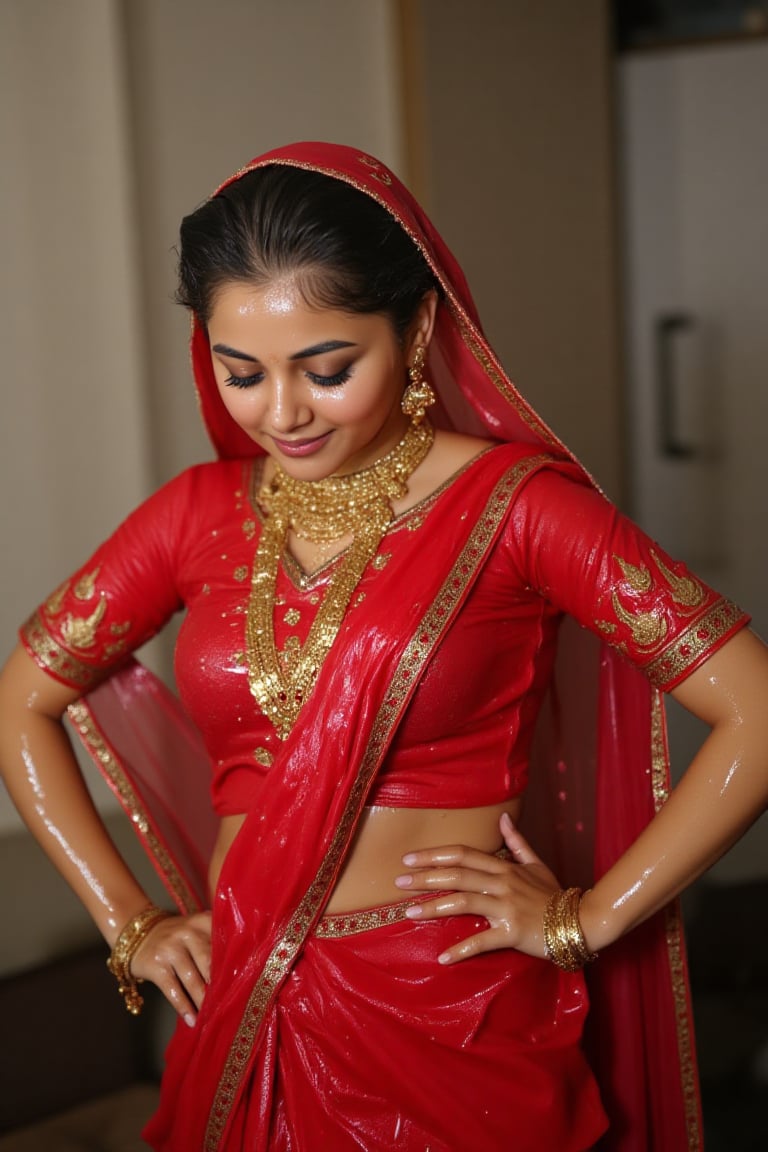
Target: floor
{"points": [[728, 956]]}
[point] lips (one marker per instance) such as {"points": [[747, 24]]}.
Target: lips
{"points": [[304, 447]]}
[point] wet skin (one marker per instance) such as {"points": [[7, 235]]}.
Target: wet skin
{"points": [[320, 392]]}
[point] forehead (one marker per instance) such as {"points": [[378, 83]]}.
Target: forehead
{"points": [[276, 316]]}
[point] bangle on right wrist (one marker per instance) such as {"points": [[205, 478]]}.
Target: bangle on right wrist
{"points": [[125, 948]]}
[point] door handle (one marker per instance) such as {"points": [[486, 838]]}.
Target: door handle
{"points": [[668, 327]]}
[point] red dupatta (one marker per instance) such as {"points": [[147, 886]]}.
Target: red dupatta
{"points": [[588, 801]]}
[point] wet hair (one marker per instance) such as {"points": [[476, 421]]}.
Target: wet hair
{"points": [[345, 251]]}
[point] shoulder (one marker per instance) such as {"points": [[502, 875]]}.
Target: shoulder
{"points": [[455, 455], [209, 480]]}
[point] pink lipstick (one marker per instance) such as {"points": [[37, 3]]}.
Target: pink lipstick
{"points": [[301, 447]]}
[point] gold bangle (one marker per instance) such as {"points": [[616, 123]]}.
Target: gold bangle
{"points": [[125, 948], [564, 942]]}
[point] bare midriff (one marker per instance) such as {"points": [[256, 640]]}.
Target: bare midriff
{"points": [[384, 836]]}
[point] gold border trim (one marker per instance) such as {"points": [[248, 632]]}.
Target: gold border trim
{"points": [[659, 751], [405, 677], [339, 924], [53, 657], [683, 1016], [699, 638], [686, 1049], [108, 763]]}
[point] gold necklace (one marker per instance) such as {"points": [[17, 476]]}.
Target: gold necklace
{"points": [[359, 503], [323, 510]]}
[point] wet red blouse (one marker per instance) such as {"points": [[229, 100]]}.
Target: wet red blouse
{"points": [[466, 736]]}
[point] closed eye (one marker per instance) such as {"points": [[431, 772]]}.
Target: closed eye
{"points": [[244, 381], [330, 381]]}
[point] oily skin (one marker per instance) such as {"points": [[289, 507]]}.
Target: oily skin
{"points": [[722, 793], [396, 851]]}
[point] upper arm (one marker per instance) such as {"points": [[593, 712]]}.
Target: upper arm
{"points": [[731, 686], [580, 553], [119, 598], [25, 686]]}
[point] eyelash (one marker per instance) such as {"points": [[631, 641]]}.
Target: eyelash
{"points": [[330, 381], [323, 381]]}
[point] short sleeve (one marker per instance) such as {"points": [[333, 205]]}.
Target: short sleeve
{"points": [[121, 597], [576, 549]]}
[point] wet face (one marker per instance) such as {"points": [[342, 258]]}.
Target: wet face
{"points": [[319, 390]]}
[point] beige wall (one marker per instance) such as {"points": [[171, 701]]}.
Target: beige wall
{"points": [[511, 118], [211, 86], [116, 117]]}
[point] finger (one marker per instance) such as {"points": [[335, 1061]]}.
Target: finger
{"points": [[455, 879], [172, 964], [197, 938], [192, 981], [522, 853], [200, 952], [177, 997], [452, 854], [452, 904], [488, 941]]}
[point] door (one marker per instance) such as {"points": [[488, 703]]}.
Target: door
{"points": [[694, 162]]}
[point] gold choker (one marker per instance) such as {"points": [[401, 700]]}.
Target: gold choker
{"points": [[325, 510], [319, 511]]}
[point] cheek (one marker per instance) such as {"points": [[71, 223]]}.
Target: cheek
{"points": [[358, 401], [241, 403]]}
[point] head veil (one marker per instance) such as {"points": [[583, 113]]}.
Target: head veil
{"points": [[601, 767]]}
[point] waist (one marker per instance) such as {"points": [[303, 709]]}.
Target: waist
{"points": [[334, 925], [385, 835]]}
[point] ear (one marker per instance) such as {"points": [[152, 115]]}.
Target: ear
{"points": [[422, 326]]}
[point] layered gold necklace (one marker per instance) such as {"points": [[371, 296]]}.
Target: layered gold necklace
{"points": [[358, 504]]}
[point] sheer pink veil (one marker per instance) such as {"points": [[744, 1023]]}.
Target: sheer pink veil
{"points": [[600, 765]]}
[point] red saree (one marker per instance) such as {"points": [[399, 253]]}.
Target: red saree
{"points": [[586, 804]]}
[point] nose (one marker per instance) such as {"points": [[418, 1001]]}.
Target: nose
{"points": [[287, 409]]}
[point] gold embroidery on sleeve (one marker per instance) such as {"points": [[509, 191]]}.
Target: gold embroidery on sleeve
{"points": [[54, 602], [113, 650], [700, 637], [648, 628], [81, 632], [639, 579], [686, 591], [50, 655], [86, 585]]}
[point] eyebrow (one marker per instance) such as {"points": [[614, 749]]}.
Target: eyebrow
{"points": [[313, 350]]}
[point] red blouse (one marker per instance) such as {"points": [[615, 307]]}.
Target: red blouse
{"points": [[465, 739]]}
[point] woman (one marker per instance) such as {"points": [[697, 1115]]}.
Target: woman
{"points": [[372, 622]]}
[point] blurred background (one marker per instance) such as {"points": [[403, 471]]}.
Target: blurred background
{"points": [[601, 172]]}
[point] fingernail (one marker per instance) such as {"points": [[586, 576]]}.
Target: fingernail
{"points": [[413, 911], [507, 822], [410, 859], [444, 958], [404, 881], [189, 1020]]}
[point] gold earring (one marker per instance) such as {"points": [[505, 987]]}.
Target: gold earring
{"points": [[418, 395]]}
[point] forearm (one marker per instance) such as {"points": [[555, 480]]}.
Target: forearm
{"points": [[724, 790], [47, 787]]}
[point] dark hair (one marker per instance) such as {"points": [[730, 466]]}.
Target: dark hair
{"points": [[346, 251]]}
